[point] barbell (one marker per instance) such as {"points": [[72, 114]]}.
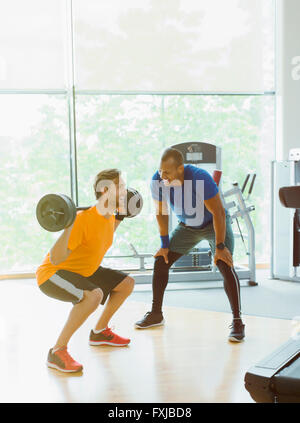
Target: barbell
{"points": [[55, 212]]}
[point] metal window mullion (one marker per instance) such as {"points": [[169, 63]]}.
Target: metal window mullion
{"points": [[50, 91], [100, 92], [170, 93], [71, 103], [163, 121]]}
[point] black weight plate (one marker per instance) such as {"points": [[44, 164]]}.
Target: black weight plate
{"points": [[134, 202], [53, 212], [62, 211], [71, 210], [45, 212]]}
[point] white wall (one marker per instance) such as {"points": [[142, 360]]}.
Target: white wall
{"points": [[288, 76]]}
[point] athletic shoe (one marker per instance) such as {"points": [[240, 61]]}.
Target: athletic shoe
{"points": [[150, 319], [61, 360], [237, 333], [107, 337]]}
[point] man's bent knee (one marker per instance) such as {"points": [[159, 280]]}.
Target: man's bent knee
{"points": [[130, 283], [94, 297], [160, 262], [126, 285]]}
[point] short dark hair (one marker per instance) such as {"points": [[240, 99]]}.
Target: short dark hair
{"points": [[104, 175], [172, 153]]}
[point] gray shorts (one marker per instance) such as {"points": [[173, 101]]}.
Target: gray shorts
{"points": [[69, 286], [184, 238]]}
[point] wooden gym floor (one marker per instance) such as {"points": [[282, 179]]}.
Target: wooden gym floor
{"points": [[188, 360]]}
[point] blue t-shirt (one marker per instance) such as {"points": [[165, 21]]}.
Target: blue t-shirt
{"points": [[187, 200]]}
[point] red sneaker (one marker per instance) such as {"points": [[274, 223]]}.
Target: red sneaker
{"points": [[61, 360], [107, 337]]}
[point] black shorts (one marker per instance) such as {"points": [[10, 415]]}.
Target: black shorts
{"points": [[69, 286]]}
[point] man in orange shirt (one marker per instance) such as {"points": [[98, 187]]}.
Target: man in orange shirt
{"points": [[71, 271]]}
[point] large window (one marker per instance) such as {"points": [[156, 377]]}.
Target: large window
{"points": [[32, 39], [170, 45], [147, 74], [34, 153]]}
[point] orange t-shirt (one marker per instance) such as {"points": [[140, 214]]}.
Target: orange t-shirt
{"points": [[90, 238]]}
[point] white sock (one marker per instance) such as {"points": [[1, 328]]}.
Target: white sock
{"points": [[54, 350], [98, 331]]}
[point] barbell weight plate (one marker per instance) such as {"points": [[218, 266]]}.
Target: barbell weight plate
{"points": [[54, 212], [64, 211], [72, 208], [134, 202]]}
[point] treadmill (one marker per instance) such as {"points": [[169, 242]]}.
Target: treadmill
{"points": [[276, 378]]}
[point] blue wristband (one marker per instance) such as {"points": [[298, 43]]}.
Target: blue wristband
{"points": [[165, 242]]}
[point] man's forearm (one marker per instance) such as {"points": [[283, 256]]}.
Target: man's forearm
{"points": [[163, 224], [219, 224], [117, 223], [59, 252]]}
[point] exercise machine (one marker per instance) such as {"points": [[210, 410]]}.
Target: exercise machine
{"points": [[276, 378], [285, 220]]}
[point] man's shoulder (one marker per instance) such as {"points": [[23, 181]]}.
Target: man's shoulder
{"points": [[156, 176], [85, 214], [192, 170]]}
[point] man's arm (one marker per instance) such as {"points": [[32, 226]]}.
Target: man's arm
{"points": [[60, 252], [117, 223], [215, 207], [162, 217]]}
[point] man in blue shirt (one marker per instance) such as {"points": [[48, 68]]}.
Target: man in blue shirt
{"points": [[194, 197]]}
